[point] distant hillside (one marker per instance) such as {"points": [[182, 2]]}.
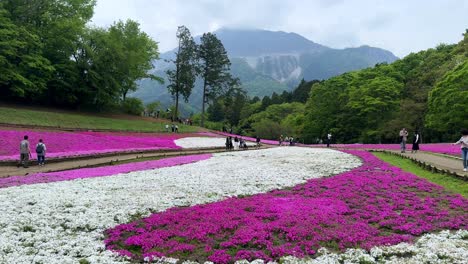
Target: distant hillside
{"points": [[268, 61]]}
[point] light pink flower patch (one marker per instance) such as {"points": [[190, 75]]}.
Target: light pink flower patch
{"points": [[375, 204], [99, 172], [68, 144]]}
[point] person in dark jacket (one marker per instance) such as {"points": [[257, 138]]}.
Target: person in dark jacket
{"points": [[416, 141]]}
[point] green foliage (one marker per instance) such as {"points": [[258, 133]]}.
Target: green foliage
{"points": [[49, 55], [153, 107], [215, 66], [447, 110], [136, 49], [24, 70], [182, 78], [267, 129], [133, 106], [279, 119]]}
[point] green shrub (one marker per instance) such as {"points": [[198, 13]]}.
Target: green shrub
{"points": [[133, 106]]}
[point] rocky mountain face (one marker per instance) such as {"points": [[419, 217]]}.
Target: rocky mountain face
{"points": [[267, 62]]}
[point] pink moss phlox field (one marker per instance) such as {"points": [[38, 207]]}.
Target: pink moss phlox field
{"points": [[66, 144], [99, 172], [374, 204], [442, 148]]}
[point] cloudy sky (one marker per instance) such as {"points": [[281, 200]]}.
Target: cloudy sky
{"points": [[401, 26]]}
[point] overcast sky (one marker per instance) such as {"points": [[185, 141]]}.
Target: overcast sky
{"points": [[401, 26]]}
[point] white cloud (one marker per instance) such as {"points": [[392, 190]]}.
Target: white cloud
{"points": [[399, 26]]}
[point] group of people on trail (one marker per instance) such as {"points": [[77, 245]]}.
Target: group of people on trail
{"points": [[404, 138], [174, 128], [236, 143], [284, 141], [463, 141], [25, 152]]}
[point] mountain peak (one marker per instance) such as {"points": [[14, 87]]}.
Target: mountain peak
{"points": [[246, 42]]}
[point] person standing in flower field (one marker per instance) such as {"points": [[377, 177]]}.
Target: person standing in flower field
{"points": [[464, 148], [167, 128], [40, 151], [403, 139], [25, 152], [329, 136]]}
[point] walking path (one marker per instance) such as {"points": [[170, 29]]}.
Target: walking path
{"points": [[436, 162]]}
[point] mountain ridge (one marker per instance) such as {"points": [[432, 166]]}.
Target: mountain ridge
{"points": [[270, 61]]}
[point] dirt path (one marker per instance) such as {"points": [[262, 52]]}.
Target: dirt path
{"points": [[452, 165], [6, 171]]}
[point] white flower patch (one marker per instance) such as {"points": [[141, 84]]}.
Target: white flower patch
{"points": [[444, 247], [204, 142], [63, 222]]}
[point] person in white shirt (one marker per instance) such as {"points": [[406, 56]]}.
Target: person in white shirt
{"points": [[403, 139], [25, 152], [464, 148], [329, 136]]}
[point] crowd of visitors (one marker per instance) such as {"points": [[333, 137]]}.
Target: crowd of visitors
{"points": [[237, 143], [285, 141]]}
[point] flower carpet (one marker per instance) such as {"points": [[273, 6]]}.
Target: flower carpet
{"points": [[373, 205], [84, 173], [65, 221], [68, 144]]}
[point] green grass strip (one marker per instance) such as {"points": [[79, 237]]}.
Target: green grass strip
{"points": [[82, 121], [450, 183]]}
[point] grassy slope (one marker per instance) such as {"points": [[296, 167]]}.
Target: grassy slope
{"points": [[450, 183], [69, 120]]}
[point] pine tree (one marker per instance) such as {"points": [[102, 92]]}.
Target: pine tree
{"points": [[182, 78]]}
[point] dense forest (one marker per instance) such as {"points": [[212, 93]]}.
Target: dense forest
{"points": [[425, 91], [49, 55]]}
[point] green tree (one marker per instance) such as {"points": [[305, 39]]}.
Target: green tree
{"points": [[24, 72], [182, 78], [448, 103], [58, 25], [153, 107], [215, 66], [137, 50]]}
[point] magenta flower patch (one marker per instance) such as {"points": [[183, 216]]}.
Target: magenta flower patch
{"points": [[98, 172], [66, 144], [375, 204]]}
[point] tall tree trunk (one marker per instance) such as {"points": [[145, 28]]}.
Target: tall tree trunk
{"points": [[176, 112], [203, 105]]}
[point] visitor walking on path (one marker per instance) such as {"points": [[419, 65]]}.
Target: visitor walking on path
{"points": [[416, 141], [167, 128], [40, 151], [257, 140], [329, 136], [25, 152], [403, 139], [464, 148]]}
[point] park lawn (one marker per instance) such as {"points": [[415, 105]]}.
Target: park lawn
{"points": [[451, 183], [82, 121]]}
